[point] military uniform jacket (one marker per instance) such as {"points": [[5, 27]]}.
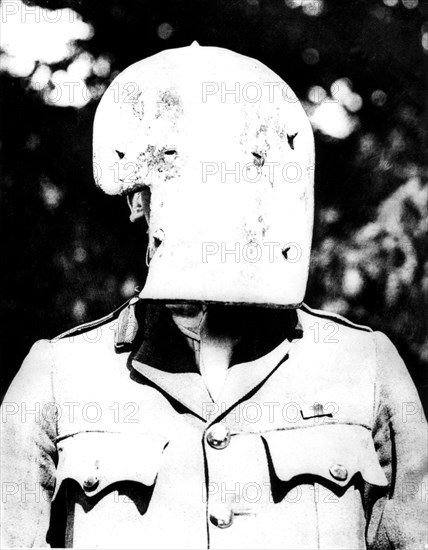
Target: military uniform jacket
{"points": [[318, 443]]}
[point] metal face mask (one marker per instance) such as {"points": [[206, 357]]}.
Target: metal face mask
{"points": [[215, 150]]}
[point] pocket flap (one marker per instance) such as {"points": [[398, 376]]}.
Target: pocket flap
{"points": [[96, 460], [335, 452]]}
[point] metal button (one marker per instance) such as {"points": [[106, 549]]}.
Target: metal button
{"points": [[218, 436], [91, 483], [339, 472], [221, 515]]}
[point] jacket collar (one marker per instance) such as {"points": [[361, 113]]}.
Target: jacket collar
{"points": [[163, 355]]}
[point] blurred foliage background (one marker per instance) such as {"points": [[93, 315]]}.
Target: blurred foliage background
{"points": [[69, 253]]}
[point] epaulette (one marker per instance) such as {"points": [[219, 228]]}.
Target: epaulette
{"points": [[85, 327], [335, 317]]}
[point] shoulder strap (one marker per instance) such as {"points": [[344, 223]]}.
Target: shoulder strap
{"points": [[85, 327], [334, 317]]}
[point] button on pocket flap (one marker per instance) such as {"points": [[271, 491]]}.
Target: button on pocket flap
{"points": [[335, 452], [96, 460]]}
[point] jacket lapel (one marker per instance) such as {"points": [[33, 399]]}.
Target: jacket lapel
{"points": [[244, 379], [166, 359], [188, 388]]}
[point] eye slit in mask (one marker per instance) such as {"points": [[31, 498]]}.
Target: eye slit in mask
{"points": [[170, 152], [285, 252], [290, 139], [120, 154], [258, 160]]}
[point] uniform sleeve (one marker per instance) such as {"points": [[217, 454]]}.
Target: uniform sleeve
{"points": [[399, 518], [28, 431]]}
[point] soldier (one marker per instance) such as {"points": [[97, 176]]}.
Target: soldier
{"points": [[204, 413]]}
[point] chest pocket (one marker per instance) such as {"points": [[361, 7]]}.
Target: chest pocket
{"points": [[98, 460], [333, 453]]}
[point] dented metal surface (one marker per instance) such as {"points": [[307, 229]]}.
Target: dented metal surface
{"points": [[217, 154]]}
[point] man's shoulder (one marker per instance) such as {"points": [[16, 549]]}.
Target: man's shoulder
{"points": [[328, 334], [93, 331], [82, 350]]}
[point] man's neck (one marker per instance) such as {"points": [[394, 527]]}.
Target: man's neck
{"points": [[221, 336]]}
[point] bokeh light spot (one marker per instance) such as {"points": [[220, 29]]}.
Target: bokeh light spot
{"points": [[40, 78], [51, 33], [16, 66], [33, 142], [352, 282], [165, 31], [353, 102], [66, 91], [329, 215], [79, 310], [80, 254], [81, 67], [368, 145], [310, 56], [51, 194], [339, 306], [378, 98], [341, 91], [317, 94], [101, 66], [128, 287], [410, 4], [332, 119], [97, 90], [293, 3], [424, 42], [313, 7]]}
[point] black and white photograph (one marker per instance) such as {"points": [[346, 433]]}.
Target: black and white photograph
{"points": [[215, 274]]}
